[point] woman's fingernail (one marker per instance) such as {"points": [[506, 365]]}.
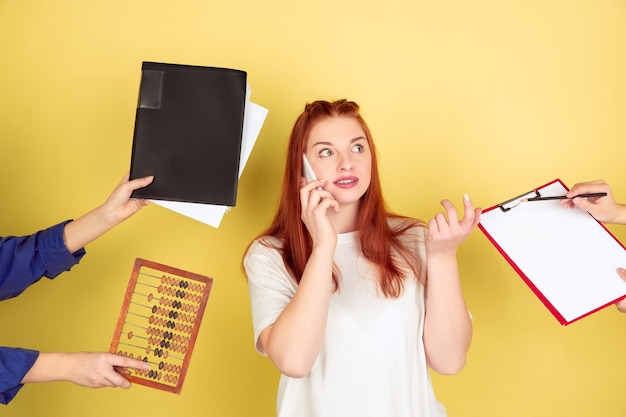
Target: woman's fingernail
{"points": [[466, 197]]}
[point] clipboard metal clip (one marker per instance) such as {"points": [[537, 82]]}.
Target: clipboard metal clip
{"points": [[515, 201]]}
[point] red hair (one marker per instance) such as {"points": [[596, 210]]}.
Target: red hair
{"points": [[380, 242]]}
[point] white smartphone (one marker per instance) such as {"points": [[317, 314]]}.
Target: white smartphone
{"points": [[307, 171]]}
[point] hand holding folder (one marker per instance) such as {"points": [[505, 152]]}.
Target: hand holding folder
{"points": [[194, 131], [566, 257]]}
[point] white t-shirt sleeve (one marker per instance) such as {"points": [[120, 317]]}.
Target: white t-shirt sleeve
{"points": [[269, 285]]}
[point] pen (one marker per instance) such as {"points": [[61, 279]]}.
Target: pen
{"points": [[563, 197]]}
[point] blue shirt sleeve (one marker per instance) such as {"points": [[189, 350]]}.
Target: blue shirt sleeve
{"points": [[24, 260], [14, 364]]}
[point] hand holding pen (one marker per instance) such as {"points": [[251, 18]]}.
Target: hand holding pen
{"points": [[602, 208]]}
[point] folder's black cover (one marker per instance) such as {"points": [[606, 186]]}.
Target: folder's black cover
{"points": [[188, 131]]}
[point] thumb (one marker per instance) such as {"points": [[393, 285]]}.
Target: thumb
{"points": [[622, 273]]}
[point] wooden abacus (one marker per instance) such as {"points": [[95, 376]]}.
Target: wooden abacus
{"points": [[159, 322]]}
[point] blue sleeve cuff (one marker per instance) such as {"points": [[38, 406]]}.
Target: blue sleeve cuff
{"points": [[14, 364], [54, 254]]}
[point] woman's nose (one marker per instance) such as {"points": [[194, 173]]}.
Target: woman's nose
{"points": [[345, 163]]}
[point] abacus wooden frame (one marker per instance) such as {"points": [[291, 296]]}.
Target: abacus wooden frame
{"points": [[128, 297]]}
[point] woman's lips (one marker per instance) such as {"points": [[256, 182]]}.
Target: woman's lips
{"points": [[346, 182]]}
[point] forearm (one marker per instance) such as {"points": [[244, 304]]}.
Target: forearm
{"points": [[87, 228], [88, 369], [295, 339], [447, 326], [49, 367], [118, 207]]}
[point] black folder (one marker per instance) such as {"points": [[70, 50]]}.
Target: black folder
{"points": [[188, 131]]}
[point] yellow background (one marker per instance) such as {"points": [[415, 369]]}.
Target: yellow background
{"points": [[488, 97]]}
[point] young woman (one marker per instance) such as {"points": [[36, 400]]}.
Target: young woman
{"points": [[351, 302]]}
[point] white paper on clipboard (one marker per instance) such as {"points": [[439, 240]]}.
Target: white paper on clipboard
{"points": [[566, 257]]}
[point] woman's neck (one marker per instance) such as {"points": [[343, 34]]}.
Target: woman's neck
{"points": [[347, 219]]}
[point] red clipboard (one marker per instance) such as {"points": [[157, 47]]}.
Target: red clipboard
{"points": [[565, 256]]}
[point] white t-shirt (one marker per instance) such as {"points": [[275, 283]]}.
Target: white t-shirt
{"points": [[372, 362]]}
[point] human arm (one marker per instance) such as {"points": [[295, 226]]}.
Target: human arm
{"points": [[604, 209], [25, 259], [117, 208], [21, 366], [88, 369], [447, 325], [294, 340]]}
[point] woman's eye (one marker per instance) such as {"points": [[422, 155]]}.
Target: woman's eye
{"points": [[325, 152], [357, 148]]}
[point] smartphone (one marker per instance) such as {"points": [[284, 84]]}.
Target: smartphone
{"points": [[307, 171]]}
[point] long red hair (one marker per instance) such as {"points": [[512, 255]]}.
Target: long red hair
{"points": [[380, 242]]}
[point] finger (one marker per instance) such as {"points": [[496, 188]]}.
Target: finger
{"points": [[140, 182], [441, 224], [308, 200], [313, 185], [121, 370], [471, 216], [319, 205], [315, 197], [115, 379], [125, 362], [588, 187], [304, 196], [329, 202], [477, 212], [306, 191], [334, 205], [582, 203], [142, 202], [433, 226], [622, 273], [450, 210]]}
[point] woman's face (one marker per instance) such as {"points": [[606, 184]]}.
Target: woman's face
{"points": [[340, 154]]}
